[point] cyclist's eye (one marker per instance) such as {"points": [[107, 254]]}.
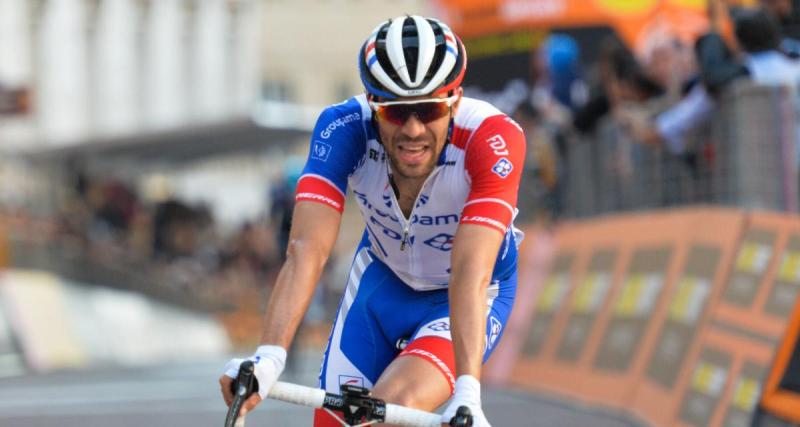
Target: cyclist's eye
{"points": [[426, 112]]}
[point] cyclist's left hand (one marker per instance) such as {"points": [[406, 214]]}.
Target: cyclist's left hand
{"points": [[467, 393], [269, 362]]}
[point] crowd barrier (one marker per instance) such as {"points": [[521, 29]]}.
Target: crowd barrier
{"points": [[673, 316], [745, 157]]}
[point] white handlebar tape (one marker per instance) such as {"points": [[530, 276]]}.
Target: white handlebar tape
{"points": [[297, 394], [403, 416], [314, 398]]}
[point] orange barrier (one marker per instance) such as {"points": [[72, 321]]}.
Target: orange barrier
{"points": [[673, 316], [4, 251], [781, 397], [778, 398]]}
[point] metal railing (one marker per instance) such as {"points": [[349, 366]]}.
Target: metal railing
{"points": [[745, 157]]}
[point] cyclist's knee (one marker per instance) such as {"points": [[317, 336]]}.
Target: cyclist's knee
{"points": [[399, 394]]}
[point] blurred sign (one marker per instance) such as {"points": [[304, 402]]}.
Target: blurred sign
{"points": [[634, 20], [14, 101]]}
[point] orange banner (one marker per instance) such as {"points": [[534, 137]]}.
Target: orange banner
{"points": [[636, 21]]}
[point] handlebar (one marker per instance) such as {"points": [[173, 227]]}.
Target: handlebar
{"points": [[355, 403]]}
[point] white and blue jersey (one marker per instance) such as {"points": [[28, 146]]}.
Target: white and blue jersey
{"points": [[397, 286], [475, 181]]}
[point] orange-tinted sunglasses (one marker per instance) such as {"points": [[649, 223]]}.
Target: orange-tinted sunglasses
{"points": [[426, 110]]}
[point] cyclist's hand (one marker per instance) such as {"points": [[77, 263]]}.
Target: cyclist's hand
{"points": [[269, 361], [467, 393]]}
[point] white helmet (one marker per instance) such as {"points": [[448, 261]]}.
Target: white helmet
{"points": [[411, 56]]}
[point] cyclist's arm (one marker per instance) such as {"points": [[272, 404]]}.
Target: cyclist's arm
{"points": [[315, 227], [475, 248], [494, 162]]}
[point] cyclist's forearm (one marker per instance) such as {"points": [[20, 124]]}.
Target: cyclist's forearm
{"points": [[473, 259], [292, 292], [468, 320]]}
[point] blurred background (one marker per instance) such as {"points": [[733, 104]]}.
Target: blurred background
{"points": [[149, 151]]}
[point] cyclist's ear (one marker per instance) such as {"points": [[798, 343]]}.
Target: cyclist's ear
{"points": [[459, 91]]}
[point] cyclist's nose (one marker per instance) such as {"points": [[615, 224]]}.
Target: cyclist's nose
{"points": [[413, 127]]}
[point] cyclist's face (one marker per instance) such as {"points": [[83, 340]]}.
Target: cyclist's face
{"points": [[413, 147]]}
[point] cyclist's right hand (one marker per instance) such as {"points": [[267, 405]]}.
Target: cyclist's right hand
{"points": [[467, 393], [269, 361]]}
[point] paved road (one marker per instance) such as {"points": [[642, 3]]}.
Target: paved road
{"points": [[187, 396]]}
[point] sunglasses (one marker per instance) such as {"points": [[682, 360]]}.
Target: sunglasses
{"points": [[426, 110]]}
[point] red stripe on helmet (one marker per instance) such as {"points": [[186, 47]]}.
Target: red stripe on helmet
{"points": [[456, 81]]}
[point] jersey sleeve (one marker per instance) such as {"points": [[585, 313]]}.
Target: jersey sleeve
{"points": [[337, 145], [494, 161]]}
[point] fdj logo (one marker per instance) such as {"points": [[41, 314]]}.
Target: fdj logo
{"points": [[439, 326], [495, 329], [441, 241], [320, 151], [503, 167]]}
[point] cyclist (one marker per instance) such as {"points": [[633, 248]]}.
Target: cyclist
{"points": [[435, 176]]}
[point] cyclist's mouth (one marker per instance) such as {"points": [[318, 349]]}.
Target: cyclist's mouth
{"points": [[412, 153]]}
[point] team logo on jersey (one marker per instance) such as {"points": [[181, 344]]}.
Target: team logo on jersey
{"points": [[494, 330], [498, 145], [351, 380], [439, 326], [320, 151], [503, 167], [341, 121], [441, 241], [376, 155]]}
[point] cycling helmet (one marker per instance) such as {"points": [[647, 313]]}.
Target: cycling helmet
{"points": [[411, 56]]}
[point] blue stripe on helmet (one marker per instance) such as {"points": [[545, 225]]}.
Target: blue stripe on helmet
{"points": [[451, 50], [372, 90], [383, 94], [372, 60]]}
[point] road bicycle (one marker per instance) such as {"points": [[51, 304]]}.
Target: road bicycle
{"points": [[356, 406]]}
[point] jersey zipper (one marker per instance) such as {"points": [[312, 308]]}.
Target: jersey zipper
{"points": [[407, 221], [403, 242]]}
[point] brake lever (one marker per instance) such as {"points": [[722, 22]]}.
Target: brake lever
{"points": [[463, 418], [242, 387]]}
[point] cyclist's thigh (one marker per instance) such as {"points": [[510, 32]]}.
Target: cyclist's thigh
{"points": [[373, 315], [354, 353], [432, 340]]}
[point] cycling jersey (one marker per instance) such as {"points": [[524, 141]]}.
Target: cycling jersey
{"points": [[475, 181]]}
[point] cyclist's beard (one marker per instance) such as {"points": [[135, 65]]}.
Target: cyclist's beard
{"points": [[414, 170]]}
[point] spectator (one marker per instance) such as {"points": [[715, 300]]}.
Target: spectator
{"points": [[788, 19], [622, 80], [761, 60], [543, 166], [283, 201]]}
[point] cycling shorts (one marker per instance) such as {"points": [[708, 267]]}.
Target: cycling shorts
{"points": [[379, 315]]}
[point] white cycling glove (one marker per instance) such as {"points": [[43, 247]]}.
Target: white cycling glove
{"points": [[467, 393], [269, 361]]}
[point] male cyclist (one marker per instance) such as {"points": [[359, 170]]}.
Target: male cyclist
{"points": [[435, 176]]}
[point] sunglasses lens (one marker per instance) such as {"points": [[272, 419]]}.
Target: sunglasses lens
{"points": [[425, 111]]}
